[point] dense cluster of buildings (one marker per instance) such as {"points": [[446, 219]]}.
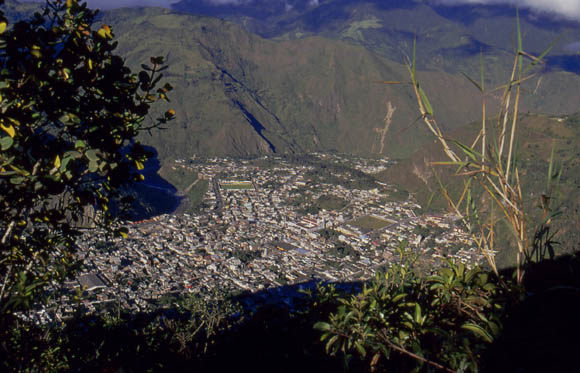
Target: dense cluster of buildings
{"points": [[250, 236]]}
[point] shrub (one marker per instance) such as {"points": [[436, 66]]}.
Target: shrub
{"points": [[69, 113]]}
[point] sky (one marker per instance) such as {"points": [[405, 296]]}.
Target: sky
{"points": [[569, 9]]}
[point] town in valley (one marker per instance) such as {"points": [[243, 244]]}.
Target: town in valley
{"points": [[261, 224]]}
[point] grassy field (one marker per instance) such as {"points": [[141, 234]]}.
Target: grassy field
{"points": [[196, 194], [330, 202], [186, 179], [237, 185], [369, 222]]}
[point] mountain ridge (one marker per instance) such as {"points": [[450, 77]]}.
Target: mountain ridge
{"points": [[237, 93], [255, 95]]}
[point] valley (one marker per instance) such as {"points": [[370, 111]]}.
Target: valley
{"points": [[255, 231]]}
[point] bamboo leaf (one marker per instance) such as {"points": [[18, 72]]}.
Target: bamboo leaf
{"points": [[414, 57], [550, 167], [482, 72], [541, 56], [450, 163], [477, 85], [519, 32], [426, 102], [470, 152]]}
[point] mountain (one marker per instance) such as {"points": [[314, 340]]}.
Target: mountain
{"points": [[448, 36], [286, 76], [239, 93]]}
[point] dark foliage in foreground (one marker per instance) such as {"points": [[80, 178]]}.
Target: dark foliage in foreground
{"points": [[431, 328]]}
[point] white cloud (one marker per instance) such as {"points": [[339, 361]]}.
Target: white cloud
{"points": [[569, 9]]}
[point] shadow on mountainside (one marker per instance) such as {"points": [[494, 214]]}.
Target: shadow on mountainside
{"points": [[154, 196]]}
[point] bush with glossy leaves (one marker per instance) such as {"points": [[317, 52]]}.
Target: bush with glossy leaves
{"points": [[404, 321], [69, 113]]}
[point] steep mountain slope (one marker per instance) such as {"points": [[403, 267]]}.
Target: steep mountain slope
{"points": [[448, 37], [237, 93]]}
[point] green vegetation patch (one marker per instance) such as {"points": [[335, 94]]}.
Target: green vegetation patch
{"points": [[196, 194], [237, 185], [330, 202], [369, 222], [187, 181], [178, 176]]}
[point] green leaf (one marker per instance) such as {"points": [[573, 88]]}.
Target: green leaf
{"points": [[17, 180], [550, 168], [93, 166], [481, 71], [80, 144], [543, 54], [426, 102], [418, 318], [330, 343], [479, 331], [360, 348], [322, 326], [91, 154], [520, 47], [6, 143], [398, 297], [470, 152], [64, 163], [414, 58], [477, 85]]}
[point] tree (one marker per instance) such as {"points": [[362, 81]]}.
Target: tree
{"points": [[69, 113]]}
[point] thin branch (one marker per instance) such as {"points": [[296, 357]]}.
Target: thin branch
{"points": [[8, 232], [414, 356]]}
